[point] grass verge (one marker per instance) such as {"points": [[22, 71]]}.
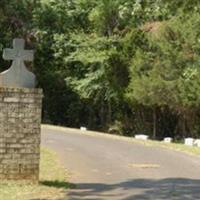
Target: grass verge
{"points": [[52, 185], [173, 146]]}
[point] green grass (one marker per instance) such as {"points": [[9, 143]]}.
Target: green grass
{"points": [[174, 146], [52, 185]]}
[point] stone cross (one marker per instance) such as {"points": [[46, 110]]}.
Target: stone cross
{"points": [[18, 75]]}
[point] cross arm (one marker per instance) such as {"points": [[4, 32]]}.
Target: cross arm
{"points": [[27, 55], [12, 54], [9, 54]]}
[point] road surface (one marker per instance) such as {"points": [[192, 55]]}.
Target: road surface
{"points": [[109, 168]]}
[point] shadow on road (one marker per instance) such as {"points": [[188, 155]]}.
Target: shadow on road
{"points": [[58, 184], [140, 189]]}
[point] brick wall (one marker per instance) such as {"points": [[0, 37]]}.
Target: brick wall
{"points": [[20, 119]]}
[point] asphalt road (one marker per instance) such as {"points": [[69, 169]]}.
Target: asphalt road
{"points": [[107, 168]]}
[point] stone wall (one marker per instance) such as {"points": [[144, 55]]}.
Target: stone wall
{"points": [[20, 121]]}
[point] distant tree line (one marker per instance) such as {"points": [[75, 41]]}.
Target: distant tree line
{"points": [[124, 66]]}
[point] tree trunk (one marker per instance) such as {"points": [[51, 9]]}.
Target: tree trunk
{"points": [[102, 114], [154, 123], [109, 119]]}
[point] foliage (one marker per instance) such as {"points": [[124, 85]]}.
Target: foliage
{"points": [[165, 72]]}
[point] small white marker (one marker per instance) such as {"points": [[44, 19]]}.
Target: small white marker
{"points": [[189, 141], [83, 128], [167, 140]]}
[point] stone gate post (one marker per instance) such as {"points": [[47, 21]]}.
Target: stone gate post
{"points": [[20, 117]]}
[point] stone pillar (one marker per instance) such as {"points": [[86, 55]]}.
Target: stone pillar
{"points": [[20, 121]]}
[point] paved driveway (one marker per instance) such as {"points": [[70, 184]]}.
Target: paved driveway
{"points": [[109, 168]]}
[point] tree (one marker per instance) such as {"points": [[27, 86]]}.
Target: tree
{"points": [[163, 72]]}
